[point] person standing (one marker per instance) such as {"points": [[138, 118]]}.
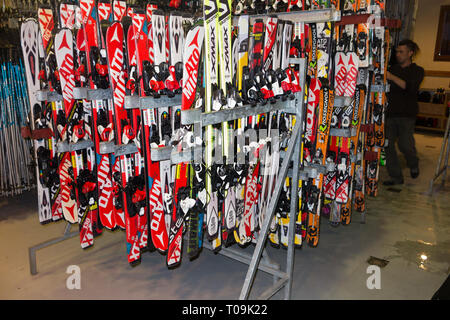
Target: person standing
{"points": [[404, 78]]}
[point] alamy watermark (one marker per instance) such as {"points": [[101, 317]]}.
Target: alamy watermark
{"points": [[73, 282], [374, 280]]}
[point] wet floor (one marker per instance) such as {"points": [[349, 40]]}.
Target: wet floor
{"points": [[403, 226]]}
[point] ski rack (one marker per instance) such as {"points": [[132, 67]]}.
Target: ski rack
{"points": [[78, 94], [142, 103], [167, 153], [199, 119], [293, 153], [132, 102], [64, 146], [295, 106], [348, 132], [341, 101], [259, 260]]}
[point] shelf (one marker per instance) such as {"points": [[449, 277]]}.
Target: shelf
{"points": [[118, 150], [187, 155], [161, 153], [437, 73], [92, 94], [69, 147], [46, 95], [78, 94], [342, 101], [353, 19], [346, 133], [132, 102], [311, 171], [428, 115], [195, 115], [308, 16], [430, 128], [371, 19], [38, 134], [380, 88]]}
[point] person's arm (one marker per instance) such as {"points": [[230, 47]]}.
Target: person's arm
{"points": [[412, 84], [398, 81]]}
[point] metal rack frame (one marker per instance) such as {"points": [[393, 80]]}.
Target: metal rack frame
{"points": [[32, 250], [442, 170], [52, 96]]}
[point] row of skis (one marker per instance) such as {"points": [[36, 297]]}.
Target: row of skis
{"points": [[96, 55]]}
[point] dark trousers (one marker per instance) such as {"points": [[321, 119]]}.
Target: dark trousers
{"points": [[400, 130]]}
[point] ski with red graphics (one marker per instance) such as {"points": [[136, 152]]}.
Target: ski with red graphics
{"points": [[50, 80], [139, 24], [191, 70], [102, 129], [30, 48]]}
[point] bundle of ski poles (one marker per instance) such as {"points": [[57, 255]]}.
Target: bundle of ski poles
{"points": [[96, 65], [15, 156]]}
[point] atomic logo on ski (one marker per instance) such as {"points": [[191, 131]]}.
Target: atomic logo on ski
{"points": [[104, 184], [190, 72], [66, 73], [115, 45], [157, 224], [68, 204], [64, 44]]}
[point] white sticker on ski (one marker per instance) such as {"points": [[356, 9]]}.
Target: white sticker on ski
{"points": [[176, 38], [159, 37]]}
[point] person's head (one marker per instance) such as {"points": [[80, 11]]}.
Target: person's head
{"points": [[405, 51]]}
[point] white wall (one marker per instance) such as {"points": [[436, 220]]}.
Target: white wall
{"points": [[424, 34]]}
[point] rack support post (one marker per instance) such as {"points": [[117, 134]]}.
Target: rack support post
{"points": [[32, 250], [442, 170]]}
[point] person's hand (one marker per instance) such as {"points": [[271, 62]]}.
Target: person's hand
{"points": [[388, 75]]}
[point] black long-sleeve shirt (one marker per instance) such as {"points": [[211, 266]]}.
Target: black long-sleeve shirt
{"points": [[403, 102]]}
